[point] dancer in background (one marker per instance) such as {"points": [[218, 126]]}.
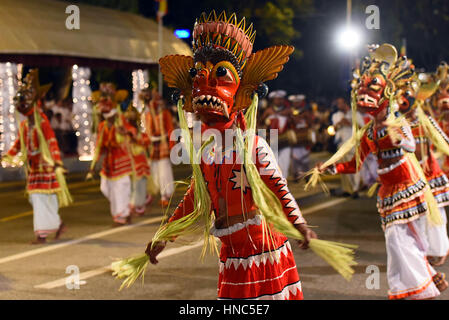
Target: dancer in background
{"points": [[39, 152], [404, 199], [342, 121], [278, 117], [437, 235], [159, 126], [111, 142], [302, 121], [440, 104], [139, 142]]}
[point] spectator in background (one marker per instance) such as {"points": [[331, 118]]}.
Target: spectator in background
{"points": [[278, 117], [342, 121], [302, 119]]}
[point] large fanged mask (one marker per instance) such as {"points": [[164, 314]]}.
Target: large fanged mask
{"points": [[107, 97], [214, 88], [223, 74], [384, 76], [370, 93], [29, 92]]}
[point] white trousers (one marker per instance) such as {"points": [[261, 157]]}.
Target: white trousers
{"points": [[437, 237], [46, 218], [408, 272], [162, 174], [118, 192], [139, 194], [301, 161], [284, 161]]}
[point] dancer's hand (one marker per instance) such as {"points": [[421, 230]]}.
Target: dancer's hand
{"points": [[308, 235], [90, 175], [153, 253], [320, 167]]}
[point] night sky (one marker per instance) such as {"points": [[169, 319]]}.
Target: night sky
{"points": [[323, 70]]}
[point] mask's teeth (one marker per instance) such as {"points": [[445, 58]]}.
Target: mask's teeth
{"points": [[202, 97], [214, 99], [225, 110], [208, 97]]}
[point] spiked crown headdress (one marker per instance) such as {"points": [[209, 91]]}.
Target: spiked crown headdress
{"points": [[226, 33]]}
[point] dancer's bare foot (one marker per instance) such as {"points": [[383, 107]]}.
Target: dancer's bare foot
{"points": [[437, 261], [62, 228], [39, 240]]}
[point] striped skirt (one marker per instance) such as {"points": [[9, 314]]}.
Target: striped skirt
{"points": [[255, 268]]}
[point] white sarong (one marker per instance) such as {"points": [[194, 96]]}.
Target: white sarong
{"points": [[139, 194], [46, 218], [118, 192], [437, 237], [408, 272], [162, 174]]}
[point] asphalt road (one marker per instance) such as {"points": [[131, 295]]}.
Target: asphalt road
{"points": [[91, 244]]}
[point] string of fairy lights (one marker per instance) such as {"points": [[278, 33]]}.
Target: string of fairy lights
{"points": [[10, 79], [82, 112], [140, 80]]}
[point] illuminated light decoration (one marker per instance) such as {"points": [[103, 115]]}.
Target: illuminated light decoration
{"points": [[82, 112], [331, 131], [10, 79], [182, 33], [140, 80]]}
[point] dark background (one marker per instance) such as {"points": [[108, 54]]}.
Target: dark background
{"points": [[318, 67]]}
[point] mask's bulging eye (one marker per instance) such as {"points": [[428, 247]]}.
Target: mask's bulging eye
{"points": [[193, 72], [375, 81], [221, 71]]}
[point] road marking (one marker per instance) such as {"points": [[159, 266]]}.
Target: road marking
{"points": [[17, 216], [71, 186], [323, 205], [170, 252], [97, 235], [29, 213], [96, 272]]}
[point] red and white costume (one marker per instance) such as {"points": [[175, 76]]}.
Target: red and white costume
{"points": [[159, 126], [42, 185], [141, 170], [403, 209], [251, 267], [116, 171]]}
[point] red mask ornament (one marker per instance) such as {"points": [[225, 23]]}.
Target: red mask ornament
{"points": [[214, 88], [370, 94], [382, 77]]}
